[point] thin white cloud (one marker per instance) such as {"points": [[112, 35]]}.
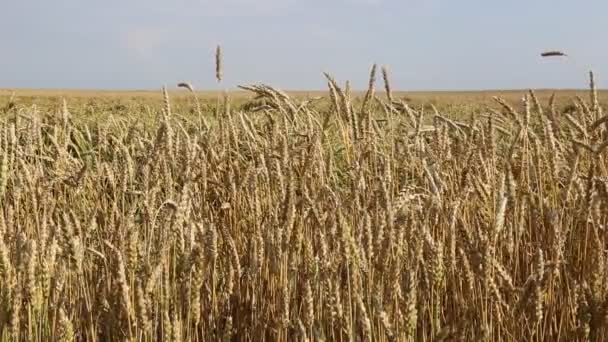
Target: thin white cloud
{"points": [[365, 2], [144, 42], [215, 8]]}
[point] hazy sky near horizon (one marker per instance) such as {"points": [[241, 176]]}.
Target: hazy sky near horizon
{"points": [[427, 44]]}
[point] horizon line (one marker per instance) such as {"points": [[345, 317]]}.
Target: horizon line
{"points": [[236, 89]]}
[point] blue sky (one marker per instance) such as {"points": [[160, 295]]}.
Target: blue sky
{"points": [[433, 44]]}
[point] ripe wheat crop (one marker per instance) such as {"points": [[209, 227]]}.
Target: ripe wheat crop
{"points": [[367, 219]]}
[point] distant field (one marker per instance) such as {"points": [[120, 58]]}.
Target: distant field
{"points": [[98, 105], [439, 98]]}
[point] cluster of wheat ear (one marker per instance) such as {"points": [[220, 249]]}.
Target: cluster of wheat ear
{"points": [[367, 219]]}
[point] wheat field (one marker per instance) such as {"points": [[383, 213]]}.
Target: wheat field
{"points": [[276, 219]]}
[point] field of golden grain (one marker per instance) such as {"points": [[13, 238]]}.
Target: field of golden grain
{"points": [[274, 216]]}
